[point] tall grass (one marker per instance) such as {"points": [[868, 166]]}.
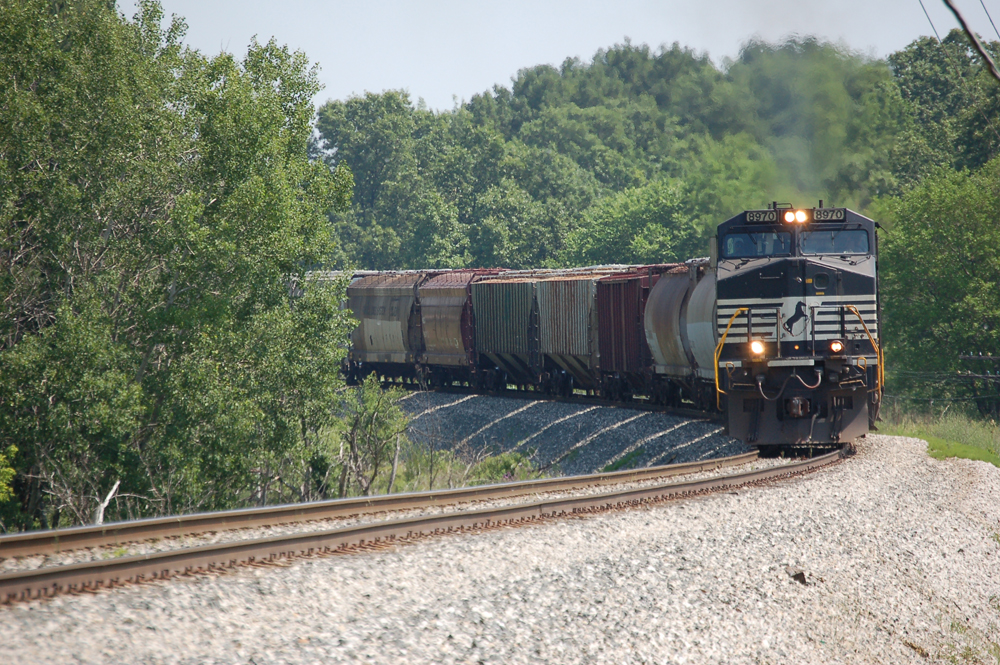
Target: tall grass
{"points": [[949, 432], [422, 468]]}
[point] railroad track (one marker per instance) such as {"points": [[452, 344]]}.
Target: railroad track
{"points": [[27, 584]]}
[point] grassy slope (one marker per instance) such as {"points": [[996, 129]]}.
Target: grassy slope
{"points": [[952, 435]]}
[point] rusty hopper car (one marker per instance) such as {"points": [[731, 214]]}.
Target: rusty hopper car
{"points": [[778, 329], [449, 329], [568, 329], [506, 330], [626, 362], [538, 328], [389, 336]]}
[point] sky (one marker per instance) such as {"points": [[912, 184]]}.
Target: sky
{"points": [[448, 50]]}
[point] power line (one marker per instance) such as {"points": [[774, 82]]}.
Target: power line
{"points": [[990, 18], [975, 40], [930, 21], [958, 71]]}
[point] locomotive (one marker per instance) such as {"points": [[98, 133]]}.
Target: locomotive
{"points": [[798, 355], [777, 329]]}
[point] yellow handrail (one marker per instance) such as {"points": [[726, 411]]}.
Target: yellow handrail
{"points": [[880, 373], [718, 352]]}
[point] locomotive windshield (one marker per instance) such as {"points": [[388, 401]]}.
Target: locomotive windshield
{"points": [[757, 243], [834, 241]]}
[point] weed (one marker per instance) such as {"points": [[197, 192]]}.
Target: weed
{"points": [[948, 435], [624, 462], [916, 647], [942, 448], [505, 467], [995, 602]]}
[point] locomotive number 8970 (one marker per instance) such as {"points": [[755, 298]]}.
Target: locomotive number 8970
{"points": [[798, 356]]}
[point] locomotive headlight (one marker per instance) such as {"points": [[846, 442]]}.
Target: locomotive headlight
{"points": [[757, 347], [836, 346], [800, 216], [790, 216]]}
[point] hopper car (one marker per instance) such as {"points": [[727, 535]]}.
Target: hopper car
{"points": [[778, 329]]}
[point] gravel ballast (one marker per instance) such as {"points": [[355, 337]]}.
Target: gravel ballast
{"points": [[150, 546], [563, 438], [889, 557]]}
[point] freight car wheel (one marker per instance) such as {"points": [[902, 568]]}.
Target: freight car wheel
{"points": [[567, 386], [351, 375]]}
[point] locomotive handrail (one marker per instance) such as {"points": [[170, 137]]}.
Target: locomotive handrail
{"points": [[880, 372], [718, 352]]}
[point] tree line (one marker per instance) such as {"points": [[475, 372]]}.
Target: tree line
{"points": [[161, 212], [636, 155], [155, 205]]}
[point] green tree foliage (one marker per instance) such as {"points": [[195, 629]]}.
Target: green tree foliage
{"points": [[638, 225], [941, 268], [517, 176], [155, 208], [952, 103]]}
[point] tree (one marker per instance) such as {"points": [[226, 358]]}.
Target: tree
{"points": [[640, 225], [941, 272], [371, 435], [156, 206], [952, 104]]}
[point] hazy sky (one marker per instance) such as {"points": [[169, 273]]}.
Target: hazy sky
{"points": [[445, 49]]}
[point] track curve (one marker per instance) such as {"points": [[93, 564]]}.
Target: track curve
{"points": [[21, 585]]}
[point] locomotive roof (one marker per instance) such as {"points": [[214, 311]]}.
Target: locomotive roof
{"points": [[774, 217]]}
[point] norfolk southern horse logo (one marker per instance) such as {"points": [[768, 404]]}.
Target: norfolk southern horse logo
{"points": [[799, 315]]}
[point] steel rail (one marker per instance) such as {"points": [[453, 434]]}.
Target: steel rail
{"points": [[22, 585], [31, 543]]}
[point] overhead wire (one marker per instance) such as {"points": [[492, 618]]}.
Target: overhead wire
{"points": [[978, 45], [990, 18], [954, 66]]}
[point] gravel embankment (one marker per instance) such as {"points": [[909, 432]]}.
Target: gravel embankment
{"points": [[231, 535], [898, 553], [575, 438], [562, 439]]}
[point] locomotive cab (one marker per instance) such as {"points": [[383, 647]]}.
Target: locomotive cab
{"points": [[798, 360]]}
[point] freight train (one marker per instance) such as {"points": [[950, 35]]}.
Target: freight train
{"points": [[778, 328]]}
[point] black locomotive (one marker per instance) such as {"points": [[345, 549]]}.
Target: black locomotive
{"points": [[798, 355]]}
